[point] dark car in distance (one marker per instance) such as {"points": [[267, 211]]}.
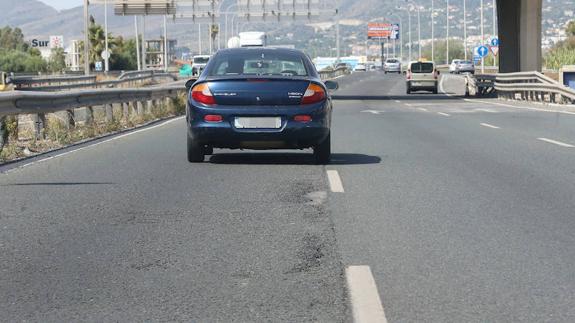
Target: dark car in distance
{"points": [[259, 98]]}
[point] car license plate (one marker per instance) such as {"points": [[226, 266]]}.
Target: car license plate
{"points": [[258, 122]]}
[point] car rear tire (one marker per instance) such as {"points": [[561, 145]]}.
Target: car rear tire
{"points": [[195, 151], [322, 152], [408, 91], [435, 91]]}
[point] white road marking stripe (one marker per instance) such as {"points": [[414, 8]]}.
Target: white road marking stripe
{"points": [[489, 126], [422, 109], [520, 108], [397, 101], [444, 114], [420, 104], [334, 181], [555, 142], [94, 144], [365, 302]]}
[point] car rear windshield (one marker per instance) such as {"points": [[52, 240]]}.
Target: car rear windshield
{"points": [[201, 60], [422, 67], [255, 62]]}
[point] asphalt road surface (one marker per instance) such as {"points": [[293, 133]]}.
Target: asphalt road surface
{"points": [[461, 210]]}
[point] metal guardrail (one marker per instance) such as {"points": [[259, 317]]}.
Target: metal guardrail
{"points": [[40, 103], [329, 73], [82, 82], [24, 82], [533, 86], [479, 85]]}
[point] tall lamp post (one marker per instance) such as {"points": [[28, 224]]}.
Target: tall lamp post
{"points": [[86, 40], [432, 31], [447, 36], [465, 28]]}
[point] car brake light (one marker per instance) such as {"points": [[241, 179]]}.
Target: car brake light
{"points": [[213, 118], [313, 94], [302, 118], [409, 75], [201, 93], [435, 75]]}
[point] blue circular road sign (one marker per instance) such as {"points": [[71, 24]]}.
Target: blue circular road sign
{"points": [[495, 42], [482, 51]]}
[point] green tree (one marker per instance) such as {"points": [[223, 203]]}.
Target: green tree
{"points": [[57, 62], [456, 51], [563, 53], [12, 39], [17, 61], [124, 54]]}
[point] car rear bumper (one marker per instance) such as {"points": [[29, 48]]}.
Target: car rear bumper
{"points": [[422, 85], [291, 135], [392, 68]]}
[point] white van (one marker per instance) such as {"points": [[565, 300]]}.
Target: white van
{"points": [[422, 75]]}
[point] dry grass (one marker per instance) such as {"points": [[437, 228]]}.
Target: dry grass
{"points": [[57, 134]]}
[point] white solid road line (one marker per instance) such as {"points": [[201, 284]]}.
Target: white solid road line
{"points": [[555, 142], [444, 114], [520, 108], [334, 181], [397, 101], [365, 302], [95, 144], [489, 126]]}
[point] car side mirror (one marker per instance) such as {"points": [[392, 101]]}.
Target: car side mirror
{"points": [[331, 85], [190, 83]]}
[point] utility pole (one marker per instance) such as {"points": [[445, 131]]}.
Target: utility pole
{"points": [[447, 35], [482, 40], [86, 40], [165, 44], [107, 48], [144, 65], [465, 28], [409, 27], [200, 38], [419, 31], [137, 43], [494, 28], [337, 44], [432, 31]]}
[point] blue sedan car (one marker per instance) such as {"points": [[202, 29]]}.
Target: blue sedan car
{"points": [[259, 98]]}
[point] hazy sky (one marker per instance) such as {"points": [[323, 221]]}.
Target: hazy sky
{"points": [[63, 4]]}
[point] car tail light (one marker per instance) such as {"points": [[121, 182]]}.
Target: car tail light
{"points": [[435, 75], [409, 75], [313, 94], [201, 93], [213, 118], [302, 118]]}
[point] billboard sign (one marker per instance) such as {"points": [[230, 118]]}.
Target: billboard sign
{"points": [[378, 30], [56, 42]]}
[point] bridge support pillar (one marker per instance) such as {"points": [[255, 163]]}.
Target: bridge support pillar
{"points": [[519, 35]]}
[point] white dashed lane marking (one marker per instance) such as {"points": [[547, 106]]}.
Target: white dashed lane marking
{"points": [[489, 126], [365, 302], [334, 181], [444, 114], [555, 142]]}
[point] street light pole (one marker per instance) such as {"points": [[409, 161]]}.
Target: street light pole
{"points": [[139, 59], [465, 28], [419, 31], [482, 39], [494, 29], [165, 44], [447, 36], [107, 55], [409, 31], [86, 40], [432, 31], [337, 42]]}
